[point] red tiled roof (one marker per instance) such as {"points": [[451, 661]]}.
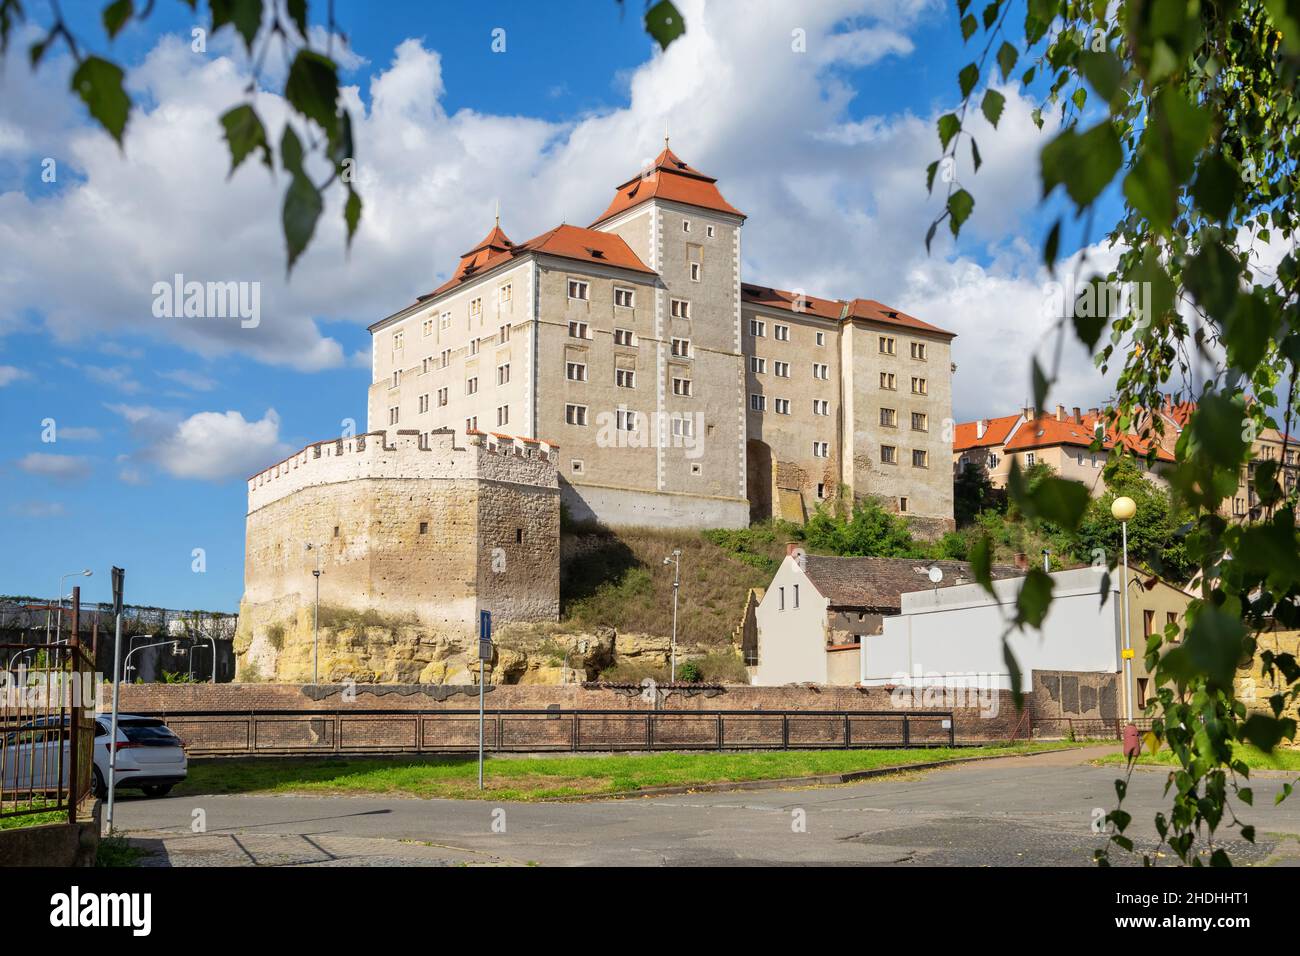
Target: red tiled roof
{"points": [[668, 178], [995, 433], [868, 310], [567, 242], [1046, 431]]}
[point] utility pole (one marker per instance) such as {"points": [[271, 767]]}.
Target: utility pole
{"points": [[675, 559]]}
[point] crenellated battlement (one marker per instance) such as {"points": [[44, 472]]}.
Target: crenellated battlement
{"points": [[409, 454]]}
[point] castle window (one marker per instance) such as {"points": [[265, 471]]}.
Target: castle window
{"points": [[796, 595], [683, 426], [781, 406], [397, 377], [918, 350], [680, 309], [504, 294], [695, 272], [757, 365], [821, 406], [921, 423], [428, 327], [575, 371], [519, 535], [579, 290], [681, 348], [336, 531], [888, 381], [920, 459], [446, 357], [686, 225], [821, 449], [424, 365], [471, 424], [471, 385], [424, 527], [821, 490], [625, 337], [623, 298], [625, 420], [682, 386], [708, 231], [993, 460], [398, 339], [577, 466], [821, 338], [695, 466], [919, 386], [889, 417], [887, 345], [888, 455], [757, 403], [503, 415], [781, 333], [503, 334], [781, 369], [424, 403], [625, 378], [392, 415], [442, 397], [444, 320], [473, 346], [902, 504], [503, 374], [578, 330], [821, 370], [757, 329], [575, 414], [1029, 460]]}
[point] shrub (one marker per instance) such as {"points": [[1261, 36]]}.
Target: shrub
{"points": [[689, 673]]}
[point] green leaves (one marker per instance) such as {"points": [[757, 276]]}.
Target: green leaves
{"points": [[967, 78], [1084, 163], [244, 133], [664, 23], [313, 89], [992, 106], [302, 201], [116, 15], [949, 126], [99, 84], [1216, 187], [1034, 598], [244, 15], [960, 204], [1007, 57]]}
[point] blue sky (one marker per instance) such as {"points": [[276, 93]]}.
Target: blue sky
{"points": [[157, 422]]}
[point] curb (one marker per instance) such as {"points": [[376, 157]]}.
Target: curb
{"points": [[777, 783]]}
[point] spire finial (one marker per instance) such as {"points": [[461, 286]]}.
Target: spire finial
{"points": [[665, 133], [498, 212]]}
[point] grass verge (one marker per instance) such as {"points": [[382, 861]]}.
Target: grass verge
{"points": [[540, 778], [117, 851], [33, 819], [1255, 759]]}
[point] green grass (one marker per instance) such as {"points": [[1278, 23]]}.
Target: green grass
{"points": [[539, 778], [1255, 759], [117, 851], [32, 819]]}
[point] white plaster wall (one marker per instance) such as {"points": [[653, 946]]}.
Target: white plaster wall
{"points": [[791, 642]]}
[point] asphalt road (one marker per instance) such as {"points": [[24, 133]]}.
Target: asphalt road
{"points": [[1012, 812]]}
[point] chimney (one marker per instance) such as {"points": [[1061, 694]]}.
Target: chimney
{"points": [[792, 548], [1028, 412], [1094, 412], [981, 427], [1060, 413], [1022, 561], [1078, 418]]}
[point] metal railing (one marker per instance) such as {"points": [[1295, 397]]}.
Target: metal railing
{"points": [[223, 733], [47, 735], [1084, 728]]}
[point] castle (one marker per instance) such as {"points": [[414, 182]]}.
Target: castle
{"points": [[680, 395]]}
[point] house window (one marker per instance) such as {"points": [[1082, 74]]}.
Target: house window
{"points": [[902, 504], [476, 308], [888, 455], [821, 338], [681, 386], [424, 365], [397, 377], [1142, 692], [681, 348], [577, 466], [1171, 620], [757, 365], [781, 406], [780, 593], [918, 350], [887, 345], [575, 371], [393, 415], [781, 333], [820, 370], [471, 424], [821, 449], [575, 414], [681, 309], [625, 378], [821, 406], [757, 403], [578, 330], [444, 320], [503, 415], [505, 294], [473, 346], [424, 403], [503, 374], [920, 459], [888, 381], [920, 422], [625, 337], [442, 397], [757, 329], [579, 290], [919, 386], [796, 595], [1029, 460], [446, 357], [623, 298], [695, 272], [686, 225], [781, 368], [427, 327], [708, 231], [993, 460], [503, 334], [398, 339], [625, 420], [821, 490], [889, 417], [683, 426], [1148, 623], [471, 385]]}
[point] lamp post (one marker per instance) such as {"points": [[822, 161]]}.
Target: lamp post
{"points": [[675, 559], [85, 573], [1123, 509], [315, 622]]}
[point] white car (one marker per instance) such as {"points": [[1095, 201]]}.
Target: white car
{"points": [[149, 756]]}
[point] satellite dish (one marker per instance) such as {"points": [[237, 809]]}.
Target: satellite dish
{"points": [[936, 574]]}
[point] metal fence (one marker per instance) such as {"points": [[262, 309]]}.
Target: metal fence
{"points": [[1084, 728], [47, 718], [221, 733]]}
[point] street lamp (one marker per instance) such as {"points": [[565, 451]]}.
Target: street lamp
{"points": [[675, 559], [85, 573], [1123, 509]]}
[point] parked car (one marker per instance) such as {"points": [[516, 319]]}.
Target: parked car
{"points": [[150, 757]]}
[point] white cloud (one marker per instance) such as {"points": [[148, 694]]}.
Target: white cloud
{"points": [[57, 467], [216, 446], [195, 381], [837, 206], [77, 433], [38, 509], [9, 375]]}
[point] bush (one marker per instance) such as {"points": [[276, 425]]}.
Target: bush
{"points": [[689, 673]]}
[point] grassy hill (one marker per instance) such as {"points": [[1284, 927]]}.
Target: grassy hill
{"points": [[619, 579]]}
